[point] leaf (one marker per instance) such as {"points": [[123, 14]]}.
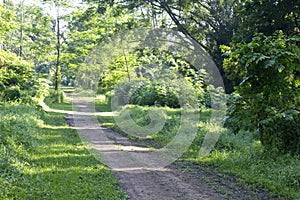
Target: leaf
{"points": [[261, 58], [280, 68], [269, 63]]}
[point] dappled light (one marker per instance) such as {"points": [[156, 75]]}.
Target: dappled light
{"points": [[132, 99]]}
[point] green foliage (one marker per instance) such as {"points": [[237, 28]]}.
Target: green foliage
{"points": [[16, 77], [155, 77], [269, 93], [42, 89], [154, 94], [117, 72], [88, 28], [253, 164], [55, 97], [211, 22], [18, 81], [14, 70], [267, 17], [30, 32], [12, 94], [164, 93], [6, 21]]}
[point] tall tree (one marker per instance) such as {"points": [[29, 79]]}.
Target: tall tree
{"points": [[59, 7], [88, 26], [211, 23], [15, 74], [58, 46], [30, 34], [266, 17]]}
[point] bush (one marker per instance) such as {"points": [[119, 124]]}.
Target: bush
{"points": [[155, 93], [42, 89], [12, 94], [172, 93]]}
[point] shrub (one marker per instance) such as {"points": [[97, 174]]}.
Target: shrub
{"points": [[155, 93], [172, 93], [12, 94]]}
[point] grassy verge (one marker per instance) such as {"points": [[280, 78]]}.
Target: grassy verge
{"points": [[66, 103], [42, 158], [240, 155]]}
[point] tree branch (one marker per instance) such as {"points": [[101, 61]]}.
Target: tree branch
{"points": [[180, 27]]}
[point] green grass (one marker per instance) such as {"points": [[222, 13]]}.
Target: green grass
{"points": [[102, 104], [65, 105], [61, 106], [240, 155], [279, 174], [57, 166], [62, 168]]}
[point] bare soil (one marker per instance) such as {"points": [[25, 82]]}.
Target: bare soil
{"points": [[180, 180]]}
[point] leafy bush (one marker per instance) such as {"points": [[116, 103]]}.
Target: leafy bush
{"points": [[155, 77], [15, 71], [17, 78], [172, 93], [12, 94], [155, 93], [42, 89], [269, 95]]}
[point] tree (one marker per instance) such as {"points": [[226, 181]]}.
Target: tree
{"points": [[263, 58], [30, 34], [269, 94], [59, 5], [7, 23], [211, 23], [39, 33], [88, 27], [16, 74], [266, 17]]}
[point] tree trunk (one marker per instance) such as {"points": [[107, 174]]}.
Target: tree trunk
{"points": [[21, 29], [127, 67], [58, 46]]}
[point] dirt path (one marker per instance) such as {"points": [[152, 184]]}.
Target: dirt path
{"points": [[138, 177]]}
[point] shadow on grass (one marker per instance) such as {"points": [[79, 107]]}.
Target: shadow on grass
{"points": [[61, 167]]}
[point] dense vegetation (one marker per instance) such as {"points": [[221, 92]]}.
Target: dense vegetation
{"points": [[253, 43]]}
